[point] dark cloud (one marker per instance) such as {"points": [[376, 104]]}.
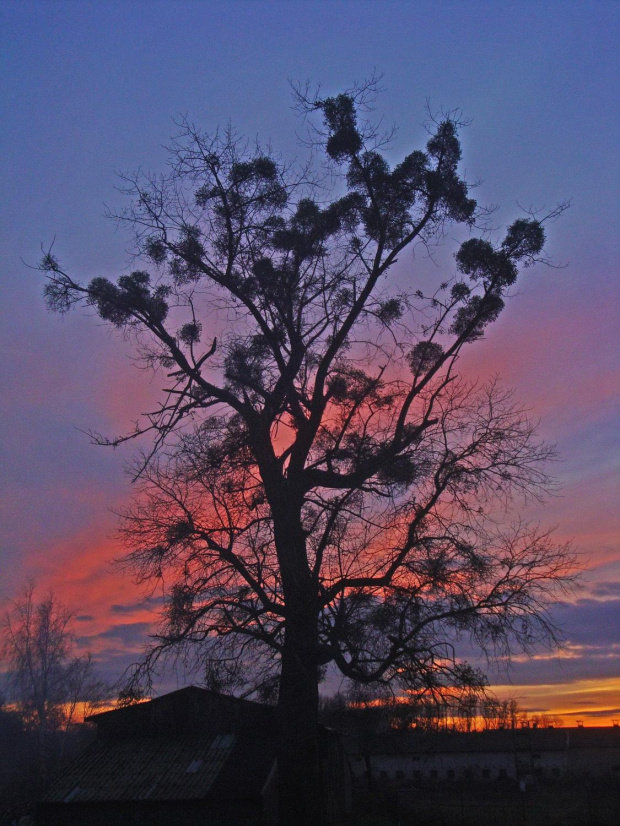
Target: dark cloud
{"points": [[589, 621], [150, 604], [129, 634], [113, 665], [590, 630], [606, 589], [606, 712], [582, 664], [84, 618]]}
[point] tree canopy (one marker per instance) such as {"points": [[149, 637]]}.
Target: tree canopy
{"points": [[322, 486]]}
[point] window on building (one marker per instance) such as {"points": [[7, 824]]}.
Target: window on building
{"points": [[486, 773], [383, 775], [502, 774], [433, 774], [417, 775], [450, 774], [400, 775]]}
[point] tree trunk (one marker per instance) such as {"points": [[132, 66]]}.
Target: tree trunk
{"points": [[299, 772]]}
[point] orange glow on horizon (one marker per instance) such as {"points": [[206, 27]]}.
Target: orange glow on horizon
{"points": [[595, 701], [592, 702]]}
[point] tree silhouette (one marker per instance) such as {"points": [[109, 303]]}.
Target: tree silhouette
{"points": [[46, 680], [323, 487]]}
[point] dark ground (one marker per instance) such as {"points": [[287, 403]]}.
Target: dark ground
{"points": [[574, 803]]}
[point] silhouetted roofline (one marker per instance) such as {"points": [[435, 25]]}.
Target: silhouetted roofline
{"points": [[189, 690], [564, 738]]}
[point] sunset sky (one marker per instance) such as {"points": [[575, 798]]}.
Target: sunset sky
{"points": [[90, 89]]}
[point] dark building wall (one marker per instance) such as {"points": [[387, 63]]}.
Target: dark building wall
{"points": [[408, 757]]}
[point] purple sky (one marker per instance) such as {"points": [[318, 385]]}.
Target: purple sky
{"points": [[91, 89]]}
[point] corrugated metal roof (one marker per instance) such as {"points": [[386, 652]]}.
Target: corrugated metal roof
{"points": [[162, 768]]}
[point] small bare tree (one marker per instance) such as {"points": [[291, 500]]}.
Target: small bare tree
{"points": [[45, 679], [323, 487]]}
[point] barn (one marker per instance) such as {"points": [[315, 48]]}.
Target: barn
{"points": [[189, 757]]}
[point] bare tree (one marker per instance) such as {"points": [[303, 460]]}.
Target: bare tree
{"points": [[323, 487], [46, 680]]}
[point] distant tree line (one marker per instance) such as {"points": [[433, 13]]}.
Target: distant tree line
{"points": [[359, 711]]}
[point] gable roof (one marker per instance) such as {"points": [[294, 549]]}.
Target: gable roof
{"points": [[188, 694], [182, 768], [187, 711]]}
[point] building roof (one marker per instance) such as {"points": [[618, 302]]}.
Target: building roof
{"points": [[187, 711], [538, 739], [188, 694], [187, 745], [155, 768]]}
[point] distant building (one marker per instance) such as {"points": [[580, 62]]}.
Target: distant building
{"points": [[189, 757], [410, 758]]}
